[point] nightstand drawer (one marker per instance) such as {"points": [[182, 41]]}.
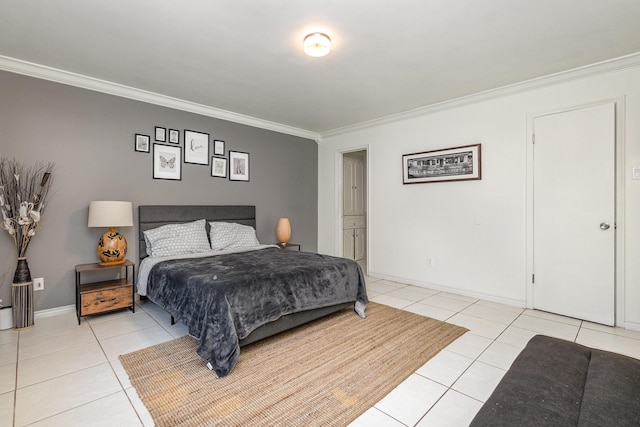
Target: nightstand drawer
{"points": [[356, 221], [105, 299]]}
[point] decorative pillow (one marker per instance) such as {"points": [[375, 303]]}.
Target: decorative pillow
{"points": [[177, 239], [228, 235]]}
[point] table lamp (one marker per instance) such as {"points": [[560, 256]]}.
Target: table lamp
{"points": [[283, 231], [112, 246]]}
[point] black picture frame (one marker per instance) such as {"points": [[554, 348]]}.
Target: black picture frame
{"points": [[238, 166], [166, 162], [160, 134], [218, 147], [462, 163], [142, 143], [196, 147], [174, 136], [219, 167]]}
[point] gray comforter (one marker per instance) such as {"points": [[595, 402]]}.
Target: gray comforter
{"points": [[223, 298]]}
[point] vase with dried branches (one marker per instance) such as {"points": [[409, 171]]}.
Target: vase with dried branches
{"points": [[24, 192]]}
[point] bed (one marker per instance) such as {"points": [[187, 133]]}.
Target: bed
{"points": [[233, 296]]}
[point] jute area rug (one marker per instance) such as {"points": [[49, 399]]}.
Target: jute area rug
{"points": [[325, 373]]}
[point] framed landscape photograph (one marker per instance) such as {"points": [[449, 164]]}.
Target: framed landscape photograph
{"points": [[174, 136], [238, 166], [166, 162], [161, 134], [143, 143], [196, 147], [219, 167], [451, 164], [218, 148]]}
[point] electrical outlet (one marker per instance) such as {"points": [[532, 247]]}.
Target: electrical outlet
{"points": [[38, 284], [429, 262]]}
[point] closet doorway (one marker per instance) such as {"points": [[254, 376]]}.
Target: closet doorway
{"points": [[354, 206]]}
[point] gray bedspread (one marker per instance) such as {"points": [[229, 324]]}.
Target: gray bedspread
{"points": [[223, 298]]}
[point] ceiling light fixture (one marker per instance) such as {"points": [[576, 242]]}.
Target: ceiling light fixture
{"points": [[317, 44]]}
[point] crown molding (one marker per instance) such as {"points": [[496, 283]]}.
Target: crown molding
{"points": [[604, 67], [72, 79]]}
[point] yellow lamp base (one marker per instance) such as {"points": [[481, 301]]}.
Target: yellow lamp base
{"points": [[112, 248]]}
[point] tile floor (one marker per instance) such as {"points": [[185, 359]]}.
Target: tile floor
{"points": [[62, 374]]}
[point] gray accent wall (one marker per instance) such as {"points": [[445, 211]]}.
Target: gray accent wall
{"points": [[90, 138]]}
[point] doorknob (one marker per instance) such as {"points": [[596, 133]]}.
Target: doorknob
{"points": [[604, 226]]}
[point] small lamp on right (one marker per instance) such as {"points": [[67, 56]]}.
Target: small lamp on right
{"points": [[283, 231]]}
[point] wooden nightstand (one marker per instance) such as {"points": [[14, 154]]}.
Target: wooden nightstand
{"points": [[104, 296], [289, 245]]}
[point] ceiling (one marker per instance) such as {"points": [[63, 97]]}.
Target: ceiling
{"points": [[387, 57]]}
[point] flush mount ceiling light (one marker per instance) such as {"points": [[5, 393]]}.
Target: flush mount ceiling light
{"points": [[317, 44]]}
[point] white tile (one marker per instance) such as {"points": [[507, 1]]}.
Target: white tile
{"points": [[412, 399], [445, 367], [37, 345], [107, 317], [45, 399], [55, 325], [446, 302], [383, 286], [516, 337], [491, 313], [552, 316], [6, 409], [452, 410], [113, 410], [430, 311], [604, 341], [469, 345], [391, 301], [478, 326], [412, 293], [121, 373], [136, 340], [612, 330], [375, 418], [7, 377], [458, 297], [9, 336], [547, 327], [122, 325], [500, 355], [8, 353], [479, 381], [499, 306], [62, 362], [141, 410]]}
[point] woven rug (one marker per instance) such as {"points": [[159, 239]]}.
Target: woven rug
{"points": [[325, 373]]}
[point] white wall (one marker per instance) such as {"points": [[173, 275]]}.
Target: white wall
{"points": [[475, 231]]}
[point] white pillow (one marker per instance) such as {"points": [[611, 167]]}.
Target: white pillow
{"points": [[177, 239], [228, 235]]}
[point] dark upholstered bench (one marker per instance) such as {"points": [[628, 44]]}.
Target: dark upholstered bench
{"points": [[559, 383]]}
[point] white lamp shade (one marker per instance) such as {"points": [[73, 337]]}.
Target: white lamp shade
{"points": [[110, 214]]}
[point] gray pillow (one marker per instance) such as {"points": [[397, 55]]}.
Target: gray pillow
{"points": [[229, 235], [177, 239]]}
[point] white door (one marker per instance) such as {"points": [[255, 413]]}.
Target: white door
{"points": [[574, 213]]}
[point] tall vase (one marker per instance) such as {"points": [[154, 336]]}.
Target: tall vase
{"points": [[22, 296]]}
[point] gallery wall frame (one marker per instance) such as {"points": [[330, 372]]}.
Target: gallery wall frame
{"points": [[450, 164], [196, 147], [219, 167], [238, 166], [174, 136], [160, 134], [142, 143], [218, 147], [166, 162]]}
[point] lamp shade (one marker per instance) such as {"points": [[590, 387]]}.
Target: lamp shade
{"points": [[110, 214], [283, 230], [112, 246], [317, 44]]}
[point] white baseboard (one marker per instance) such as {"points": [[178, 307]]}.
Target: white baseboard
{"points": [[54, 311]]}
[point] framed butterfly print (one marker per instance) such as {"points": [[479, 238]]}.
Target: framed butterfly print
{"points": [[166, 162], [196, 147]]}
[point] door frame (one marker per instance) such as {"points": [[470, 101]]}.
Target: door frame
{"points": [[619, 105], [339, 194]]}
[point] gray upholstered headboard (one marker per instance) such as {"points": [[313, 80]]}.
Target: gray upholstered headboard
{"points": [[154, 216]]}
